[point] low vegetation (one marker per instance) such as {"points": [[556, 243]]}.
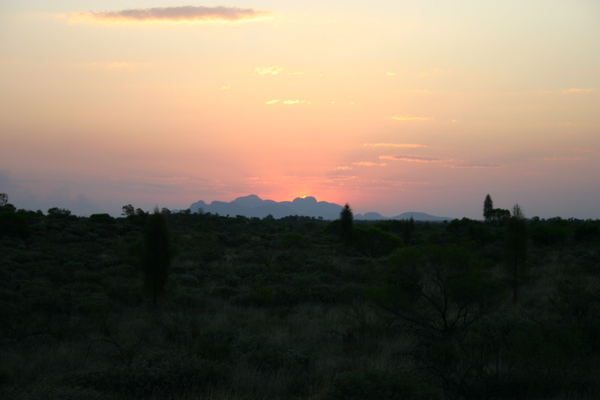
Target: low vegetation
{"points": [[297, 308]]}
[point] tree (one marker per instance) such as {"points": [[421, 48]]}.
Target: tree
{"points": [[346, 225], [56, 212], [14, 225], [498, 215], [488, 206], [441, 298], [516, 246], [128, 211], [156, 255], [409, 227], [3, 199], [101, 219]]}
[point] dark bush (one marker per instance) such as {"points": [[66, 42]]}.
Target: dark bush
{"points": [[155, 374], [14, 225], [102, 219], [377, 385], [546, 235]]}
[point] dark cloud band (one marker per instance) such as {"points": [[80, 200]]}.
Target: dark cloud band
{"points": [[408, 157], [477, 165], [176, 14]]}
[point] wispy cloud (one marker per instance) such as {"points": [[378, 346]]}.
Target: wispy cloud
{"points": [[390, 73], [343, 177], [291, 102], [411, 145], [273, 70], [563, 158], [412, 158], [170, 14], [398, 183], [343, 168], [369, 164], [403, 118], [576, 90], [225, 87], [287, 102], [570, 91], [483, 165]]}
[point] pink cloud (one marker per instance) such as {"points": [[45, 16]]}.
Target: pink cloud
{"points": [[412, 158], [171, 14]]}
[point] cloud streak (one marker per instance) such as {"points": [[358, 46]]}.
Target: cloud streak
{"points": [[287, 102], [369, 164], [563, 158], [291, 102], [273, 70], [482, 165], [412, 158], [570, 91], [578, 90], [411, 145], [171, 14]]}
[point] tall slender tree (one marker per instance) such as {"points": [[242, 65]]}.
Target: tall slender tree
{"points": [[516, 246], [409, 227], [488, 207], [346, 225], [156, 255]]}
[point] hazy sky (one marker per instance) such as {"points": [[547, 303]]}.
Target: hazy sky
{"points": [[391, 106]]}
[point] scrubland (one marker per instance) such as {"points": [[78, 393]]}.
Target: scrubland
{"points": [[286, 309]]}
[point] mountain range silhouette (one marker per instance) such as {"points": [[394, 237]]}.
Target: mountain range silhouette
{"points": [[254, 206]]}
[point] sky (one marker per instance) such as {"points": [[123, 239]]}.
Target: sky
{"points": [[389, 106]]}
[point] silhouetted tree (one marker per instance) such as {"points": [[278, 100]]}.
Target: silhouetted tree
{"points": [[346, 225], [516, 245], [156, 255], [488, 206], [101, 219], [128, 211], [56, 212], [13, 224], [409, 227], [497, 215], [3, 199]]}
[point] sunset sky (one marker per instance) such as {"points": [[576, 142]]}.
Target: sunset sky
{"points": [[391, 106]]}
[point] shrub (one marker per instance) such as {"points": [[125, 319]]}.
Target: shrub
{"points": [[102, 219], [292, 239], [14, 225], [155, 374], [547, 235], [377, 385]]}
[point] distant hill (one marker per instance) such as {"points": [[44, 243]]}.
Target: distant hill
{"points": [[417, 216], [254, 206]]}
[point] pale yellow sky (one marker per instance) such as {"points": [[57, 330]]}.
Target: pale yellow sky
{"points": [[105, 103]]}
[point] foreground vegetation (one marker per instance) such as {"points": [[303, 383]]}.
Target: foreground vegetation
{"points": [[299, 308]]}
